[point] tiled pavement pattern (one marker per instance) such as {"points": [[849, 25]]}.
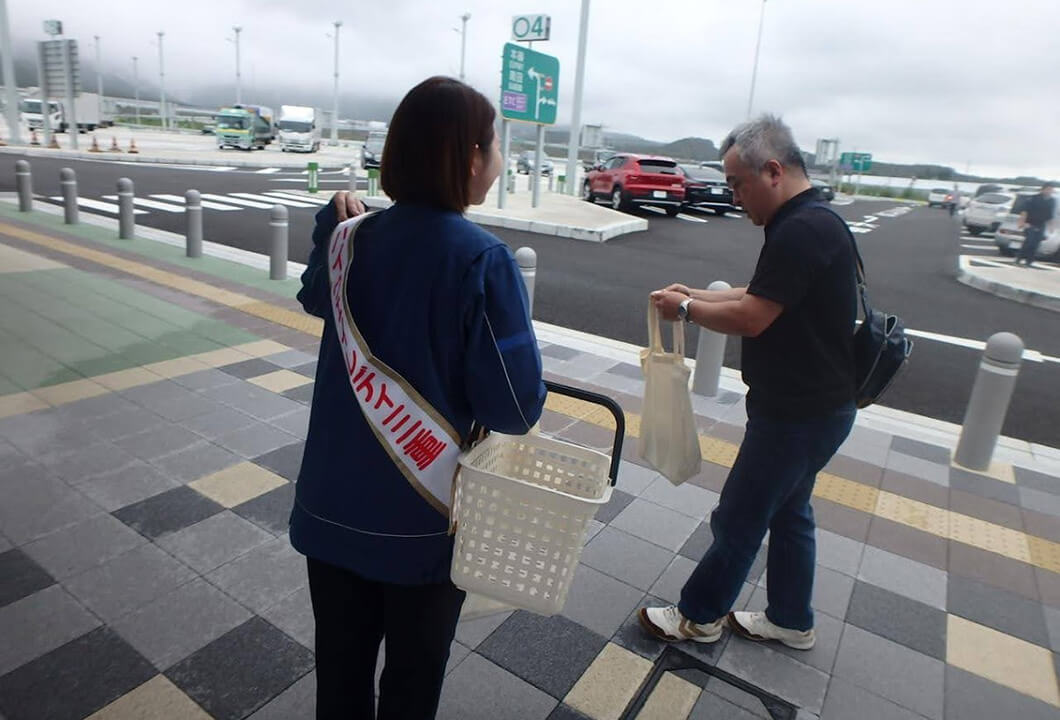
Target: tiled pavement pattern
{"points": [[144, 569]]}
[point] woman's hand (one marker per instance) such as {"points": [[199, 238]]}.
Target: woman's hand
{"points": [[678, 287], [347, 205]]}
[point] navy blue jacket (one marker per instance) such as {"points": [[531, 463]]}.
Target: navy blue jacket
{"points": [[442, 302]]}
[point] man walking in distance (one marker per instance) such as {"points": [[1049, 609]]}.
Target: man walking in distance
{"points": [[796, 318], [1035, 219]]}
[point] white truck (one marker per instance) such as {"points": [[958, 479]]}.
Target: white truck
{"points": [[86, 111], [299, 131]]}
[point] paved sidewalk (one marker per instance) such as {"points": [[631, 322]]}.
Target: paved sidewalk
{"points": [[152, 417], [1038, 285]]}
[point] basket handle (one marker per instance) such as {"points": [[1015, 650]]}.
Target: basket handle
{"points": [[598, 399]]}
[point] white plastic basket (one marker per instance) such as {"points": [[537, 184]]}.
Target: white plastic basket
{"points": [[522, 507]]}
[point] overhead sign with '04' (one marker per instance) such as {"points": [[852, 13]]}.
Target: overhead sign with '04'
{"points": [[531, 27]]}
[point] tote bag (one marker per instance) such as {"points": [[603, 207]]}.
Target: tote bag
{"points": [[668, 438]]}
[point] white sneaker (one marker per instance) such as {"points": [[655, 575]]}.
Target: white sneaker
{"points": [[756, 626], [667, 623]]}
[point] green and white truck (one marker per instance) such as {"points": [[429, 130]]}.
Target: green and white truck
{"points": [[242, 128]]}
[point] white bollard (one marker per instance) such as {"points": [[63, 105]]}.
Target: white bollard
{"points": [[126, 218], [989, 402], [24, 183], [351, 183], [193, 223], [710, 355], [526, 258], [278, 246], [68, 183]]}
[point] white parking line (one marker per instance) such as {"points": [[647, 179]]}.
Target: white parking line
{"points": [[692, 218], [266, 198], [205, 203], [299, 198], [97, 205], [267, 171], [976, 247], [154, 205], [237, 201]]}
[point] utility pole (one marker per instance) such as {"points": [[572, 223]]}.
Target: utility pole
{"points": [[162, 110], [239, 82], [335, 96], [463, 41], [7, 65], [754, 70], [576, 118], [136, 88]]}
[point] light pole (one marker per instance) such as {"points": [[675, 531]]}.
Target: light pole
{"points": [[99, 82], [754, 70], [576, 118], [239, 82], [463, 41], [7, 64], [335, 95], [161, 83], [136, 88]]}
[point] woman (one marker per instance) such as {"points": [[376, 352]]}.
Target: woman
{"points": [[426, 329]]}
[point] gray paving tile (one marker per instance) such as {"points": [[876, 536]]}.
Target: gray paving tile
{"points": [[254, 401], [632, 636], [480, 690], [197, 461], [917, 467], [737, 697], [158, 441], [656, 524], [39, 623], [970, 697], [1039, 501], [698, 543], [255, 440], [77, 548], [264, 576], [831, 592], [846, 700], [36, 504], [219, 422], [87, 462], [867, 452], [180, 622], [827, 628], [271, 511], [239, 672], [249, 368], [896, 617], [285, 461], [303, 394], [992, 569], [131, 484], [75, 680], [634, 561], [168, 512], [56, 437], [983, 486], [127, 422], [559, 352], [915, 488], [1000, 609], [906, 677], [593, 529], [633, 478], [771, 670], [128, 582], [96, 407], [668, 586], [170, 400], [297, 701], [908, 542], [618, 502], [710, 706], [1052, 622], [295, 423], [687, 499], [599, 602], [308, 369], [550, 653], [472, 632], [21, 576], [205, 379], [925, 451], [1036, 480], [904, 576], [290, 359], [294, 615], [841, 520], [212, 542], [838, 552]]}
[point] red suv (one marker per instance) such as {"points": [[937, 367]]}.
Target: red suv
{"points": [[628, 180]]}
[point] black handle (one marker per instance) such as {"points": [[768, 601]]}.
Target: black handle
{"points": [[598, 399]]}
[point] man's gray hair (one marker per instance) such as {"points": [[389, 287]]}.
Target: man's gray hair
{"points": [[763, 139]]}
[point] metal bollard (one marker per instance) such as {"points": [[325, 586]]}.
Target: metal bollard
{"points": [[511, 182], [126, 219], [68, 183], [193, 223], [551, 177], [526, 258], [352, 180], [24, 183], [278, 244], [710, 354], [989, 402]]}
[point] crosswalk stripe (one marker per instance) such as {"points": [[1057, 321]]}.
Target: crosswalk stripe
{"points": [[154, 205], [976, 247], [98, 205], [267, 171], [299, 198], [205, 203], [692, 218], [236, 201], [266, 198]]}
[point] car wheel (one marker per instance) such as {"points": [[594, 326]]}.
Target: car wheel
{"points": [[719, 210], [617, 201], [587, 192], [975, 230], [672, 211], [1007, 252]]}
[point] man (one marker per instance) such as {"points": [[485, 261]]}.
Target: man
{"points": [[1035, 220], [797, 319]]}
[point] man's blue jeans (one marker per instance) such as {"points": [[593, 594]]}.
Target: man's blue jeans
{"points": [[768, 488], [1032, 238]]}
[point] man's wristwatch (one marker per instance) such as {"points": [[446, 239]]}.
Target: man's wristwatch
{"points": [[682, 310]]}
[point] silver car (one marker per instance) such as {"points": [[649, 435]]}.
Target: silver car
{"points": [[986, 212], [1009, 237]]}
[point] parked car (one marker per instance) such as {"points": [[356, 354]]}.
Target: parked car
{"points": [[988, 188], [987, 211], [1009, 237], [525, 163], [826, 191], [372, 150], [938, 197], [705, 187], [628, 180], [716, 164]]}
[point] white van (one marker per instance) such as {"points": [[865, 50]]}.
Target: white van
{"points": [[299, 131]]}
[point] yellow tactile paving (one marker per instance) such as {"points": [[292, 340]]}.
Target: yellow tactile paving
{"points": [[261, 348], [18, 403], [915, 514], [847, 492], [69, 392], [997, 470], [1004, 659], [237, 484], [282, 316], [280, 381], [156, 699], [609, 683], [1044, 553], [125, 379], [672, 699], [13, 260], [987, 536], [223, 356]]}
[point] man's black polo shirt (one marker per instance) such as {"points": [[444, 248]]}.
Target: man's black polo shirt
{"points": [[802, 365], [1040, 210]]}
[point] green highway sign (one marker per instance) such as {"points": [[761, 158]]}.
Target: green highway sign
{"points": [[855, 162], [529, 85]]}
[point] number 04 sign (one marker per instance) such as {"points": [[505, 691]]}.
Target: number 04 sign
{"points": [[531, 27]]}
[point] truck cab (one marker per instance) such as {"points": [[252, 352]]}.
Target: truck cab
{"points": [[243, 129], [30, 112], [298, 127]]}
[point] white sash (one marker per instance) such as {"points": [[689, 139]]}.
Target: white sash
{"points": [[420, 441]]}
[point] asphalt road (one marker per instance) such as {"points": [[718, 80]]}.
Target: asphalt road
{"points": [[602, 288]]}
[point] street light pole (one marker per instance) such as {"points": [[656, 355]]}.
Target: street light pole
{"points": [[136, 88], [576, 118], [335, 96], [161, 83], [754, 70], [239, 82], [7, 64], [463, 41], [99, 83]]}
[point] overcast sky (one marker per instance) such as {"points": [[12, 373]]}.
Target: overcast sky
{"points": [[974, 84]]}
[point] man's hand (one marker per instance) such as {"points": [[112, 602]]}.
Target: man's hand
{"points": [[678, 287], [347, 205], [667, 301]]}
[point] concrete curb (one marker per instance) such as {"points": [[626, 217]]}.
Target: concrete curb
{"points": [[967, 275], [34, 151]]}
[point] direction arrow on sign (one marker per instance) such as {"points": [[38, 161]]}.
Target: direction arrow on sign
{"points": [[529, 85]]}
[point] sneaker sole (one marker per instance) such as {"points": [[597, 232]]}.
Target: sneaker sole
{"points": [[661, 634], [748, 635]]}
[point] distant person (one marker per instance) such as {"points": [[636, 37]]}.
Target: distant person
{"points": [[1036, 219], [426, 329], [955, 200], [797, 321]]}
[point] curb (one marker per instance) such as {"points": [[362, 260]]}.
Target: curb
{"points": [[33, 151], [967, 276]]}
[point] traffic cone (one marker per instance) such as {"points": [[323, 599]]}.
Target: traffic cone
{"points": [[54, 144], [114, 144], [132, 146], [95, 145], [33, 140]]}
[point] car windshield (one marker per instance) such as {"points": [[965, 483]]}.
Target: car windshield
{"points": [[665, 167], [994, 198], [33, 106], [939, 190], [295, 126], [701, 173], [233, 122], [375, 143]]}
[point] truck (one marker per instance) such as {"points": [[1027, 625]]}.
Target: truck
{"points": [[86, 111], [299, 131], [266, 114], [241, 128]]}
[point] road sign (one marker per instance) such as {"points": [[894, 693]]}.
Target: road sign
{"points": [[53, 69], [855, 162], [529, 85], [531, 27], [53, 27]]}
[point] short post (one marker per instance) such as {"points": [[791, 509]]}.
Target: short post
{"points": [[989, 402], [278, 244], [511, 182], [526, 258], [126, 220], [68, 183], [373, 182], [193, 223], [551, 177], [710, 354], [24, 184], [351, 181], [314, 177], [561, 184]]}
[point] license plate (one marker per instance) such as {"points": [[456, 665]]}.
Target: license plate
{"points": [[659, 194], [717, 191]]}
